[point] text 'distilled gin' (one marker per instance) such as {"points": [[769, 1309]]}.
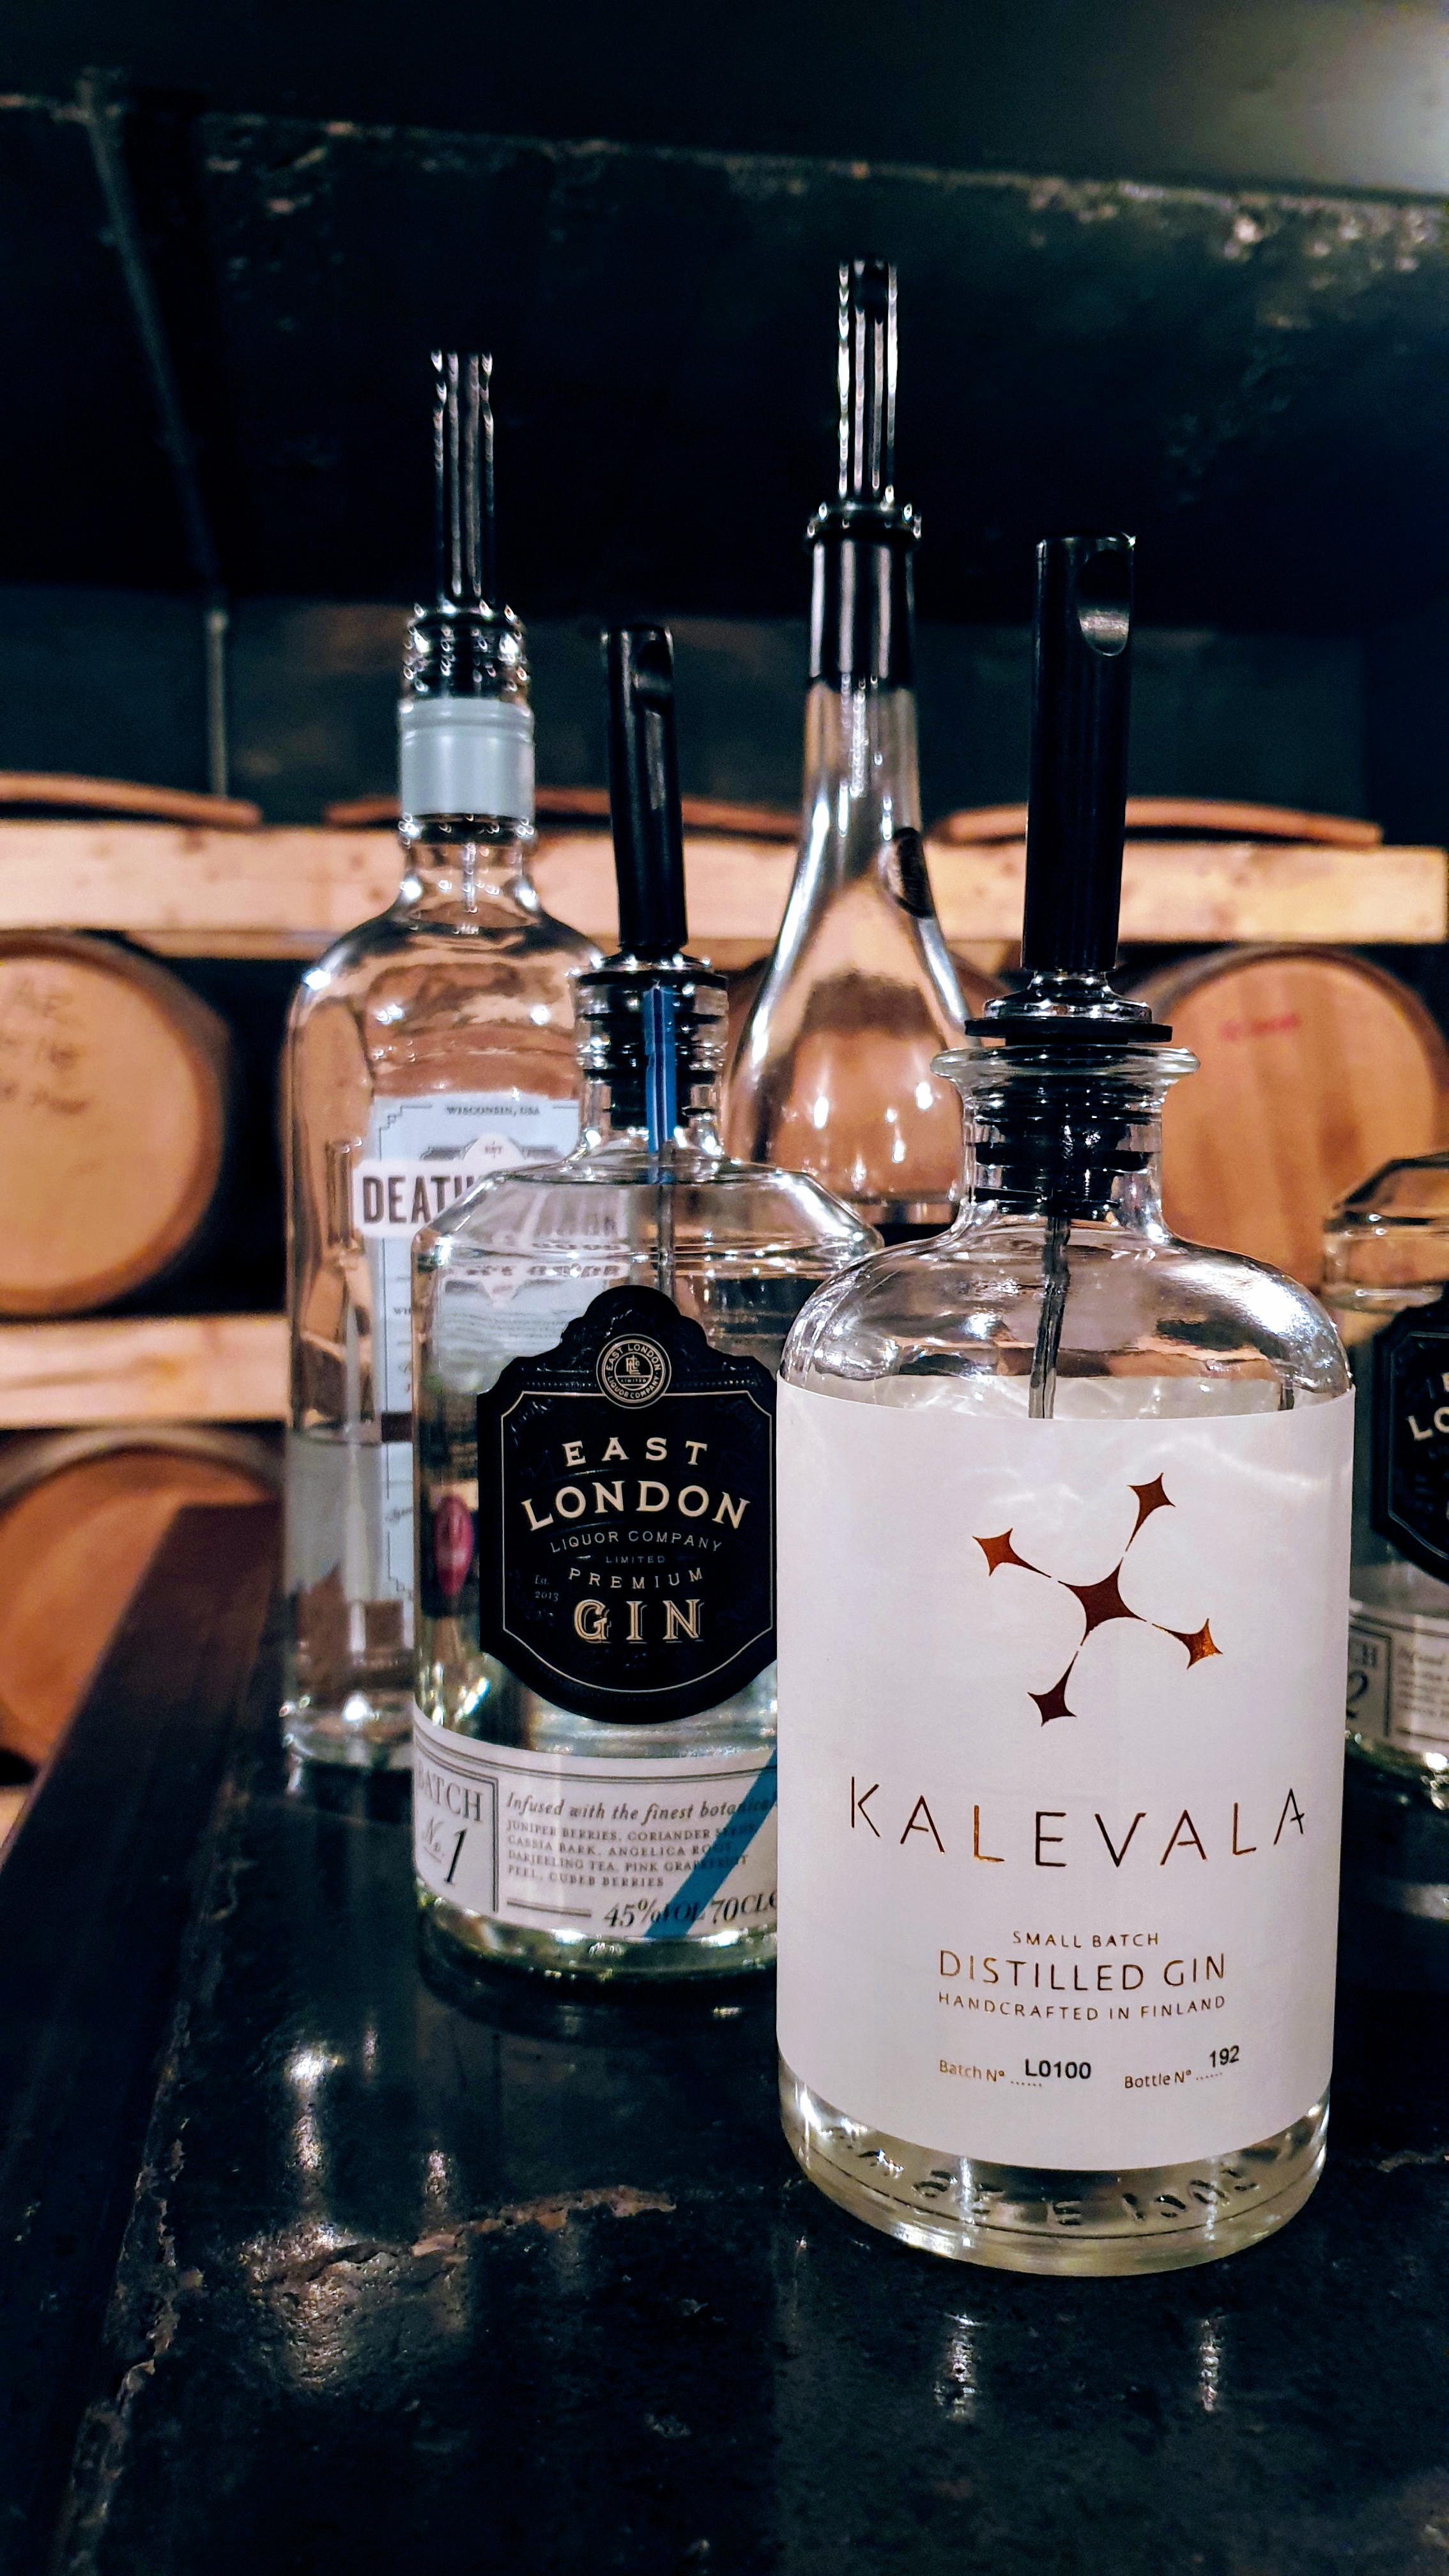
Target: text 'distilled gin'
{"points": [[1064, 1525]]}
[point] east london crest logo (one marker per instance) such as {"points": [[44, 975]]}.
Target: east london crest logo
{"points": [[1100, 1601]]}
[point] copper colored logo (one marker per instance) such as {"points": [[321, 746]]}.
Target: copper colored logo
{"points": [[1101, 1601]]}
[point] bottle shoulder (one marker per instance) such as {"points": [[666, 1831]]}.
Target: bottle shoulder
{"points": [[482, 949], [1138, 1305], [715, 1208]]}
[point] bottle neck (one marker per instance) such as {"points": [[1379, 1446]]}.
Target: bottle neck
{"points": [[862, 784], [464, 870], [862, 598], [1064, 1143]]}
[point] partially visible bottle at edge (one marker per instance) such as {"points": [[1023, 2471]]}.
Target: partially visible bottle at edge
{"points": [[833, 1072], [1386, 1285], [594, 1779], [427, 1047], [1064, 1513]]}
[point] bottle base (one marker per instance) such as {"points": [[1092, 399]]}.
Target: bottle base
{"points": [[473, 1938], [368, 1731], [1017, 2219]]}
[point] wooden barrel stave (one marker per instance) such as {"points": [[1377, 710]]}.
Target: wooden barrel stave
{"points": [[115, 1090], [81, 1516], [1316, 1067]]}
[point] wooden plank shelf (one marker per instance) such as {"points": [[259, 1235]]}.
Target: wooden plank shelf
{"points": [[192, 890], [189, 891], [144, 1368]]}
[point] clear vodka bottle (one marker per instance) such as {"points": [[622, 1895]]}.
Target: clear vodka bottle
{"points": [[1386, 1284], [833, 1072], [427, 1047], [1064, 1518], [594, 1770]]}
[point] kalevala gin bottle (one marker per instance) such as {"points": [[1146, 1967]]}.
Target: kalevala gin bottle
{"points": [[1386, 1285], [1063, 1575], [594, 1774], [425, 1048], [833, 1071]]}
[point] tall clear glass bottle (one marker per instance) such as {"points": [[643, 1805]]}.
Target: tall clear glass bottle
{"points": [[1064, 1518], [833, 1072], [594, 1781], [1386, 1285], [427, 1047]]}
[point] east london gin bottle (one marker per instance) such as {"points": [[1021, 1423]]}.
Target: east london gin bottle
{"points": [[430, 1046], [1386, 1284], [833, 1072], [594, 1776], [1063, 1582]]}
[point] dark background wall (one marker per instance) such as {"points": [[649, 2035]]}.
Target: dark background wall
{"points": [[108, 683], [1331, 93], [1180, 265]]}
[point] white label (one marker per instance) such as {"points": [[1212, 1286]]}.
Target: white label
{"points": [[422, 1155], [1061, 1760], [1398, 1676], [625, 1851]]}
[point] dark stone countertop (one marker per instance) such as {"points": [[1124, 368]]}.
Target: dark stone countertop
{"points": [[529, 2281]]}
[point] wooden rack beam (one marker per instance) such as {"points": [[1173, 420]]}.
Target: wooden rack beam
{"points": [[144, 1368], [285, 893]]}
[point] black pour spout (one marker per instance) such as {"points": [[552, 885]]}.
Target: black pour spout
{"points": [[644, 792], [653, 1017], [1076, 817], [467, 562], [861, 606]]}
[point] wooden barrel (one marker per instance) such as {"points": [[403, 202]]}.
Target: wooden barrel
{"points": [[81, 1516], [1316, 1068], [114, 1086]]}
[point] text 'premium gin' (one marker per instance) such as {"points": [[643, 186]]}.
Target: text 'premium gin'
{"points": [[1064, 1551], [426, 1048], [594, 1773]]}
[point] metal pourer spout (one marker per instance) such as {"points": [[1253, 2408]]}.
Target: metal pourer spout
{"points": [[464, 643], [467, 556], [862, 606]]}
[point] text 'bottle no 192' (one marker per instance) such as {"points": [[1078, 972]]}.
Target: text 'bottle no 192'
{"points": [[1064, 1551], [429, 1046], [594, 1777]]}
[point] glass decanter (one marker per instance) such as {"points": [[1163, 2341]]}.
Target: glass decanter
{"points": [[833, 1071], [627, 1307], [1063, 1511], [1386, 1285], [429, 1045]]}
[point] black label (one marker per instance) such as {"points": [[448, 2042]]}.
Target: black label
{"points": [[626, 1516], [1409, 1493]]}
